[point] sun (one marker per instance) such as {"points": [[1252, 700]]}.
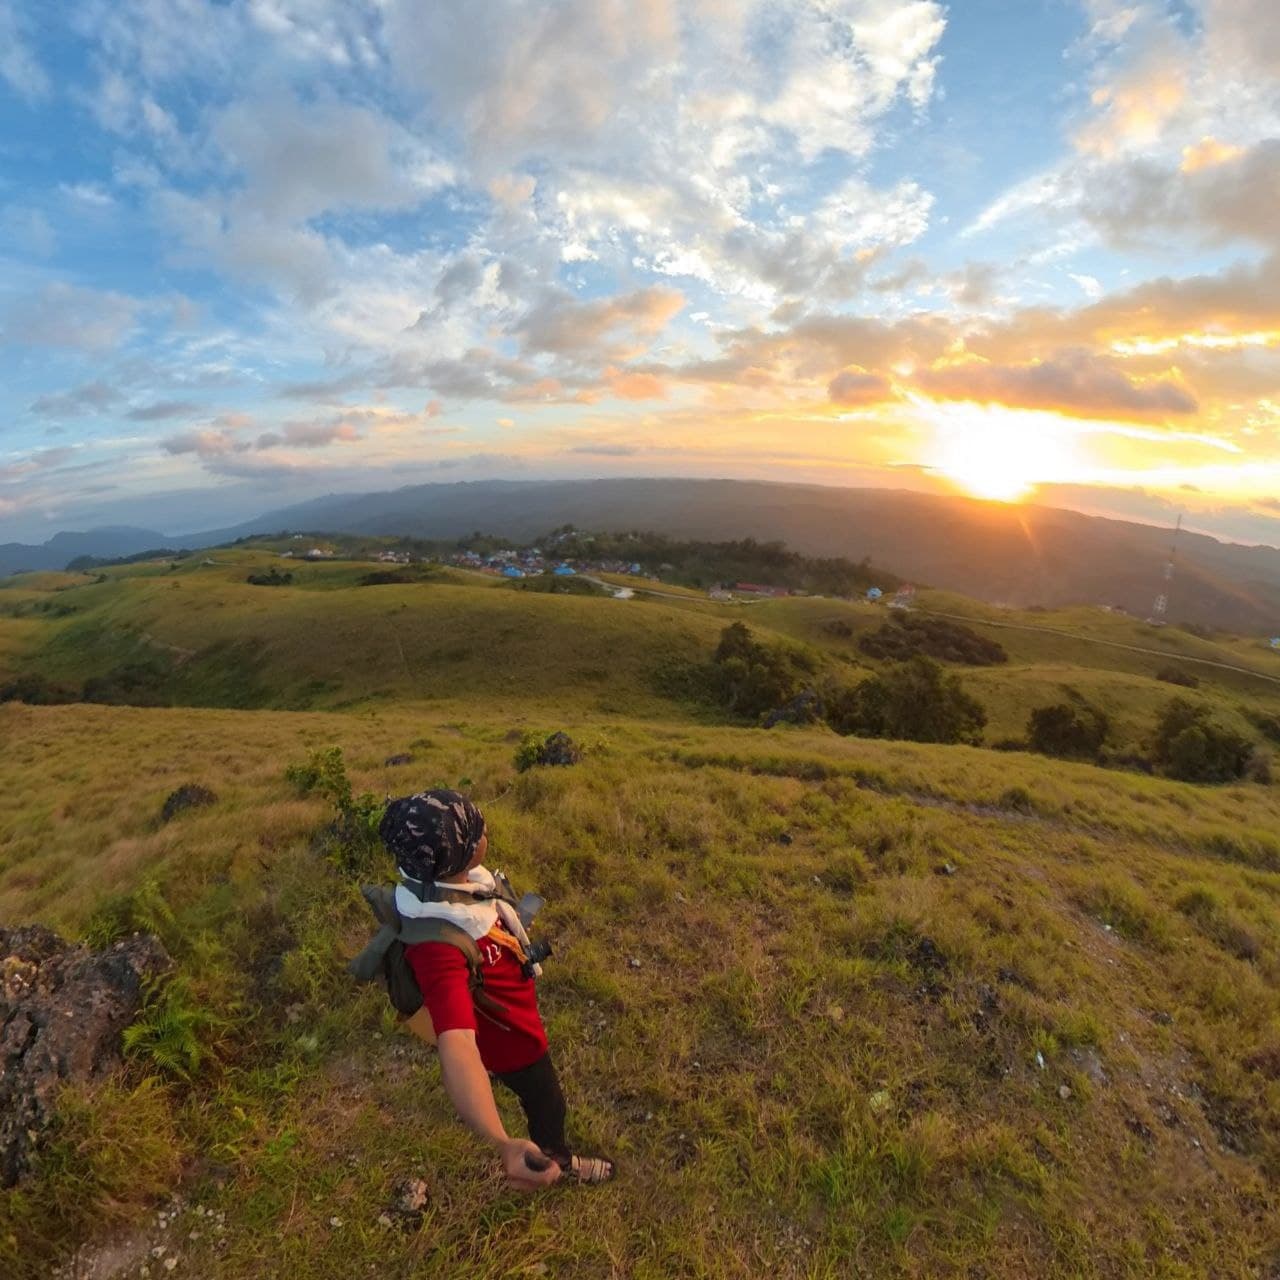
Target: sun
{"points": [[998, 453]]}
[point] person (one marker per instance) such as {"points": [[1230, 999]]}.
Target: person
{"points": [[439, 841]]}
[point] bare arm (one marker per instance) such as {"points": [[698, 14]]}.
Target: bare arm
{"points": [[467, 1084]]}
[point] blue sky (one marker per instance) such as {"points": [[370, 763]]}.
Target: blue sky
{"points": [[257, 250]]}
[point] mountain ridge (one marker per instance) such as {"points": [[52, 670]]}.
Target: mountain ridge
{"points": [[1024, 555]]}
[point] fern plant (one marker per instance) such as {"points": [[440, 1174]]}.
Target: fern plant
{"points": [[143, 910], [173, 1033]]}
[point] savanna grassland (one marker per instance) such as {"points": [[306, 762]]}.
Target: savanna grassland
{"points": [[839, 1006]]}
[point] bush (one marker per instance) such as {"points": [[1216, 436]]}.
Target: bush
{"points": [[1266, 724], [546, 749], [1175, 675], [1071, 730], [1191, 747], [909, 634], [353, 836], [272, 579], [754, 678], [36, 691], [915, 700], [135, 684]]}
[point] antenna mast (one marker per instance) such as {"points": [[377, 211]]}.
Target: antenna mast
{"points": [[1161, 605]]}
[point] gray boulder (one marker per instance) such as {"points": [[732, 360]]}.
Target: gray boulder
{"points": [[62, 1009]]}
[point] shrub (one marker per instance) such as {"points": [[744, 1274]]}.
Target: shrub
{"points": [[546, 749], [1175, 675], [353, 835], [909, 634], [36, 691], [754, 678], [1267, 724], [386, 578], [274, 578], [136, 684], [1072, 730], [1191, 747], [916, 700]]}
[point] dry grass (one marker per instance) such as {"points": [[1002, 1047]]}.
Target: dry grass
{"points": [[797, 1083]]}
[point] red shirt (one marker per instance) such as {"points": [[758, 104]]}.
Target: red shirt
{"points": [[441, 970]]}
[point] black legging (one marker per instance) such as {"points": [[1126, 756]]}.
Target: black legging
{"points": [[538, 1089]]}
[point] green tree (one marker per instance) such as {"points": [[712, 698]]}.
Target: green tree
{"points": [[1191, 747], [754, 678], [916, 700], [1072, 730]]}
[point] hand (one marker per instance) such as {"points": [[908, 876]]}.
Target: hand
{"points": [[519, 1175]]}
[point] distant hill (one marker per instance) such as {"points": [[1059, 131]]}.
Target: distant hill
{"points": [[1023, 555], [58, 551]]}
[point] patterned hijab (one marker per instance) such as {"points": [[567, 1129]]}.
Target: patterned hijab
{"points": [[432, 835]]}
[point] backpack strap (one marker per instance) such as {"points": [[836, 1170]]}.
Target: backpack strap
{"points": [[396, 928], [435, 930]]}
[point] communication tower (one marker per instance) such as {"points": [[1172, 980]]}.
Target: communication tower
{"points": [[1161, 606]]}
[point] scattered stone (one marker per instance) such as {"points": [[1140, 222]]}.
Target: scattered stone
{"points": [[170, 1263], [785, 837], [1064, 1091], [392, 762], [1162, 1019], [335, 1222], [634, 962], [879, 1100], [191, 796], [1039, 1059], [835, 1013], [62, 1009], [926, 956], [945, 869]]}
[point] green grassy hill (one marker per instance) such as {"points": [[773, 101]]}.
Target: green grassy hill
{"points": [[899, 1010]]}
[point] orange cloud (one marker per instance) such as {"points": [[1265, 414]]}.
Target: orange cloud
{"points": [[1208, 153], [629, 384]]}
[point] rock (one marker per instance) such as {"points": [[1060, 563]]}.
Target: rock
{"points": [[804, 708], [786, 837], [1064, 1091], [406, 1211], [945, 869], [634, 962], [62, 1009], [392, 762], [1162, 1019], [559, 749], [191, 796]]}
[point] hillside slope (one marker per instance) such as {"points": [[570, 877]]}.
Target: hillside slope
{"points": [[810, 1056], [838, 1006]]}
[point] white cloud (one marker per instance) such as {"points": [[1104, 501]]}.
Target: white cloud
{"points": [[296, 161], [20, 68], [67, 315], [1091, 287]]}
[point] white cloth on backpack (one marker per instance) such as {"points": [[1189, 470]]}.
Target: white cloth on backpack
{"points": [[475, 919]]}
